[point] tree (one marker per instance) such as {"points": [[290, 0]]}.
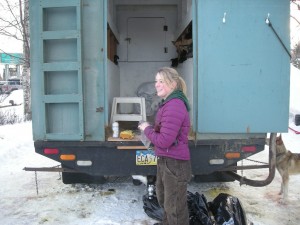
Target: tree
{"points": [[14, 23], [26, 51], [296, 55], [295, 51]]}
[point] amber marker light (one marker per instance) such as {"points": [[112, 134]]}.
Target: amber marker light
{"points": [[69, 157], [232, 155]]}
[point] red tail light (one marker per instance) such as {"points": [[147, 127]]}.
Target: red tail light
{"points": [[249, 148], [51, 151]]}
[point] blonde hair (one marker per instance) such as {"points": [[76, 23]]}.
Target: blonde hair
{"points": [[169, 75]]}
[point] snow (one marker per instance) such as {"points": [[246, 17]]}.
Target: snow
{"points": [[16, 96], [119, 202]]}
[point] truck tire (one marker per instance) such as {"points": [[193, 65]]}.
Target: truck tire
{"points": [[136, 182], [297, 119], [82, 178], [213, 177]]}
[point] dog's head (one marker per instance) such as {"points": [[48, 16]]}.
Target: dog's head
{"points": [[279, 140], [280, 147]]}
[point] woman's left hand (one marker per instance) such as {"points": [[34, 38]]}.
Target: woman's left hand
{"points": [[143, 125]]}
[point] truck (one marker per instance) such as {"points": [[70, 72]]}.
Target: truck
{"points": [[85, 54]]}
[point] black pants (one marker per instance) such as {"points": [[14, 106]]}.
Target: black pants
{"points": [[171, 188]]}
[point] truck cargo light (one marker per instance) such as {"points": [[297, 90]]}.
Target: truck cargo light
{"points": [[84, 162], [232, 155], [70, 157], [216, 161], [51, 151], [249, 148]]}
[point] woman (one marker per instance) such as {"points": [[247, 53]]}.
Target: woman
{"points": [[170, 138]]}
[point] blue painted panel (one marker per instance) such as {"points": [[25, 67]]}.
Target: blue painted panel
{"points": [[56, 70], [94, 56], [243, 70], [38, 120], [59, 18], [60, 119]]}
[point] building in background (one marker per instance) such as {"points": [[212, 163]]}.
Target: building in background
{"points": [[12, 65]]}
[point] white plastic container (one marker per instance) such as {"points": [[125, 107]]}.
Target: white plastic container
{"points": [[115, 128]]}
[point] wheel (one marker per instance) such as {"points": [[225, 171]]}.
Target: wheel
{"points": [[136, 182], [213, 177], [82, 178], [297, 119], [151, 179]]}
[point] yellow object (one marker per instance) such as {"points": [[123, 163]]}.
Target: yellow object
{"points": [[70, 157], [127, 134], [233, 155]]}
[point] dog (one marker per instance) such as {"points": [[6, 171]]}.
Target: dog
{"points": [[287, 163]]}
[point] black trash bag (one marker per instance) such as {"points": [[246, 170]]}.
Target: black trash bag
{"points": [[198, 209], [197, 206], [227, 210], [152, 208]]}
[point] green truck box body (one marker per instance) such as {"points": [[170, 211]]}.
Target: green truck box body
{"points": [[237, 77]]}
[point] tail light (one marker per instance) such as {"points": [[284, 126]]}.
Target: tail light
{"points": [[249, 148], [51, 151]]}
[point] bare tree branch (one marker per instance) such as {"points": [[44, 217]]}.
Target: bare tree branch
{"points": [[295, 19], [295, 2], [12, 23]]}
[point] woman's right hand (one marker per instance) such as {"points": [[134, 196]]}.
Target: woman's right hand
{"points": [[143, 125]]}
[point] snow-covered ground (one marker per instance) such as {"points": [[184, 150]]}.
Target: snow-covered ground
{"points": [[119, 202], [16, 98]]}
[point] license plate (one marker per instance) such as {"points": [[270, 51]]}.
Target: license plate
{"points": [[145, 158]]}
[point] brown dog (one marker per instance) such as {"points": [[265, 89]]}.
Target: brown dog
{"points": [[287, 163]]}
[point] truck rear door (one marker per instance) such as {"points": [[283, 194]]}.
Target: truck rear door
{"points": [[242, 68], [57, 97]]}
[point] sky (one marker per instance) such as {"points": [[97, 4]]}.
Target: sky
{"points": [[9, 44]]}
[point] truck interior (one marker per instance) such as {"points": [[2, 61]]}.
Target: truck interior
{"points": [[143, 36]]}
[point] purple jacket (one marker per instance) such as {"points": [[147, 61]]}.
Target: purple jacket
{"points": [[170, 133]]}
